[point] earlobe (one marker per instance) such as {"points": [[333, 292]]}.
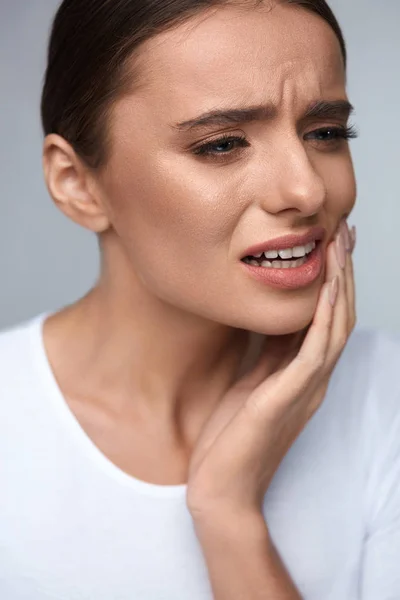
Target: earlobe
{"points": [[69, 182]]}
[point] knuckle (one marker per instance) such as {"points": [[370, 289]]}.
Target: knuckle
{"points": [[312, 364], [313, 407], [341, 339], [353, 323], [318, 400], [253, 409]]}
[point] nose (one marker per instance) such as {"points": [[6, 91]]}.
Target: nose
{"points": [[298, 187]]}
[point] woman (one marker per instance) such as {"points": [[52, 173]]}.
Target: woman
{"points": [[204, 422]]}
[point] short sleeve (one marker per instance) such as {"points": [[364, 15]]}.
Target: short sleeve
{"points": [[381, 550]]}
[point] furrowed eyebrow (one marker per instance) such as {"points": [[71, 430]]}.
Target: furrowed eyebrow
{"points": [[228, 117], [332, 109], [320, 109]]}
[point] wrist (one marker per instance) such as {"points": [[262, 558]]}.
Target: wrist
{"points": [[232, 526], [241, 557]]}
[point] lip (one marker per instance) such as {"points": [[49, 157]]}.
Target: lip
{"points": [[293, 277], [287, 241]]}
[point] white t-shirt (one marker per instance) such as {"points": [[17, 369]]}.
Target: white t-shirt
{"points": [[73, 526]]}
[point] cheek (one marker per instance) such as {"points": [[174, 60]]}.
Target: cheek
{"points": [[171, 210], [340, 182], [176, 229]]}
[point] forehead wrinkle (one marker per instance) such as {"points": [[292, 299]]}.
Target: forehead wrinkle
{"points": [[200, 79], [339, 109]]}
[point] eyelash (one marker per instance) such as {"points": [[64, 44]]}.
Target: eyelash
{"points": [[206, 150]]}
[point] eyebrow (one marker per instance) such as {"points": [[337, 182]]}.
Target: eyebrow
{"points": [[320, 108]]}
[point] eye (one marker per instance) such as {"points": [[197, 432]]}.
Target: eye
{"points": [[328, 135], [222, 146]]}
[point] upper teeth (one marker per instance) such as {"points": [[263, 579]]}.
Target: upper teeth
{"points": [[296, 252]]}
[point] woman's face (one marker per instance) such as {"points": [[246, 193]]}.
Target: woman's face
{"points": [[185, 216]]}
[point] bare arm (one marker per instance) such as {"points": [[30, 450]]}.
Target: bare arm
{"points": [[242, 562]]}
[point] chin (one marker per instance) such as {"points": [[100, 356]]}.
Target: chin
{"points": [[282, 320], [284, 327]]}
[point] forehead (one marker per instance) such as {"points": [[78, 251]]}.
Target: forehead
{"points": [[247, 53]]}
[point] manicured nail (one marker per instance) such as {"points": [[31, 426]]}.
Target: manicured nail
{"points": [[333, 291], [353, 235], [340, 249], [346, 235]]}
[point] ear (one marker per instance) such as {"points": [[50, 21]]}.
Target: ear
{"points": [[71, 184]]}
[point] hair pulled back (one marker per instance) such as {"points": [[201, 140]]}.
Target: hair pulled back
{"points": [[89, 47]]}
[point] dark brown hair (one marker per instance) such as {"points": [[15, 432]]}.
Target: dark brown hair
{"points": [[90, 43]]}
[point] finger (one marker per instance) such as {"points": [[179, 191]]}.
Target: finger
{"points": [[337, 265], [303, 371], [353, 236], [259, 373], [350, 285], [314, 349]]}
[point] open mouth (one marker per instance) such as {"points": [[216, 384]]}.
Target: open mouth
{"points": [[290, 258]]}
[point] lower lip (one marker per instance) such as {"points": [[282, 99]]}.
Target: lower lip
{"points": [[292, 278]]}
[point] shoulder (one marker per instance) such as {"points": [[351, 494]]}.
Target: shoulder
{"points": [[372, 360], [378, 370], [364, 392], [362, 405], [367, 344], [372, 355]]}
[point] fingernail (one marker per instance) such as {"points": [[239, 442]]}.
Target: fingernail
{"points": [[340, 249], [346, 235], [353, 235], [333, 291]]}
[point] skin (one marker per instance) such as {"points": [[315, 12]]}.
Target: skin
{"points": [[145, 357]]}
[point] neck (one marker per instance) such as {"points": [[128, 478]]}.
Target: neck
{"points": [[133, 349]]}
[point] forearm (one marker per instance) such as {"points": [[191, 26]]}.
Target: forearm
{"points": [[242, 561]]}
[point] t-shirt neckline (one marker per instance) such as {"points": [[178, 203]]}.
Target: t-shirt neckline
{"points": [[81, 438]]}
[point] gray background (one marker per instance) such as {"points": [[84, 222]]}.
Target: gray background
{"points": [[46, 261]]}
